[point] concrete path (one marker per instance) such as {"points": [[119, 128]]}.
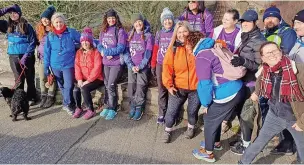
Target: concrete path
{"points": [[52, 136]]}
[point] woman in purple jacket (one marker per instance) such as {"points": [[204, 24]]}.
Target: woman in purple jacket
{"points": [[137, 58], [112, 43], [199, 17], [42, 29]]}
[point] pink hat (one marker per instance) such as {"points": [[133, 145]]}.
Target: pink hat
{"points": [[87, 35]]}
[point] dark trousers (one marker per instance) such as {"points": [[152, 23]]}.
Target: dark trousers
{"points": [[175, 103], [245, 125], [215, 116], [162, 92], [137, 88], [65, 79], [272, 126], [111, 76], [28, 74], [85, 91]]}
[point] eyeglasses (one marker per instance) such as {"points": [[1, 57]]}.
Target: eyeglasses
{"points": [[191, 1], [272, 53]]}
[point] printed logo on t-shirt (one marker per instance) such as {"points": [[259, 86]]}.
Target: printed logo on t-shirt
{"points": [[136, 47]]}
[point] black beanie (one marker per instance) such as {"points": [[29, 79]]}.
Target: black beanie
{"points": [[111, 13], [48, 13], [299, 16]]}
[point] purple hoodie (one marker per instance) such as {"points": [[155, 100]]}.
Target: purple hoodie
{"points": [[109, 40], [162, 40]]}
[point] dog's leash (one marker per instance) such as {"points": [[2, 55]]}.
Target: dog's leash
{"points": [[18, 80]]}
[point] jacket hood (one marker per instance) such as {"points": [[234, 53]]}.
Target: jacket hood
{"points": [[204, 43]]}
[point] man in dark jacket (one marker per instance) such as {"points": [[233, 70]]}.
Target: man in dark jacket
{"points": [[278, 31]]}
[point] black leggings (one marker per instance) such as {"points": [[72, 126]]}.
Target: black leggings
{"points": [[86, 93]]}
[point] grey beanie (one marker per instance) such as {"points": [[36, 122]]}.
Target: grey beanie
{"points": [[136, 16], [166, 14]]}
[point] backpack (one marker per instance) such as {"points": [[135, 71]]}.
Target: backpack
{"points": [[230, 72]]}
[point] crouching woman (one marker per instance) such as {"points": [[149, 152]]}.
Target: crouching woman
{"points": [[283, 86], [88, 73], [218, 95]]}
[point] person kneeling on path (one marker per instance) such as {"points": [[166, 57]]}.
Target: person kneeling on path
{"points": [[42, 29], [282, 83], [218, 95], [88, 73], [137, 57], [180, 79]]}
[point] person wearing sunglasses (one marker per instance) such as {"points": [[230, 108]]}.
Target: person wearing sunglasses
{"points": [[198, 17]]}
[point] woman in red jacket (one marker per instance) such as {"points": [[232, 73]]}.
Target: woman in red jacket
{"points": [[88, 73]]}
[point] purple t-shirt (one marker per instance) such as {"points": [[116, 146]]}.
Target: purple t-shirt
{"points": [[162, 40], [138, 46], [229, 38], [109, 40], [202, 22]]}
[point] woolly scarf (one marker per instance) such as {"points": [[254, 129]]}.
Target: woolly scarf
{"points": [[289, 87], [61, 30]]}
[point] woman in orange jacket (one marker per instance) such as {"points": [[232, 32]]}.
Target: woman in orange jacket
{"points": [[179, 77], [88, 73]]}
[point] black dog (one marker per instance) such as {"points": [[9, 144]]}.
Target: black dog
{"points": [[17, 101]]}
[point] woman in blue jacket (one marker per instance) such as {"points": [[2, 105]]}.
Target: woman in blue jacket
{"points": [[112, 43], [21, 46], [59, 54]]}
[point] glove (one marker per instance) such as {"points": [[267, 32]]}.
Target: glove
{"points": [[153, 71], [23, 59], [237, 61], [7, 9]]}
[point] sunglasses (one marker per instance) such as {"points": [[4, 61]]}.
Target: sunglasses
{"points": [[191, 1]]}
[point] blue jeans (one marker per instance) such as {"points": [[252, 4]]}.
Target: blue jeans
{"points": [[272, 126], [65, 79]]}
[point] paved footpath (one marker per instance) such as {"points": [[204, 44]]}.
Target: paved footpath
{"points": [[52, 136]]}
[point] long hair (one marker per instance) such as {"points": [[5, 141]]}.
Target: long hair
{"points": [[177, 26], [105, 25], [41, 30], [133, 31], [21, 25]]}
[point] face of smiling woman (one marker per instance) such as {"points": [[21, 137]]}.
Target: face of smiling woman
{"points": [[182, 33]]}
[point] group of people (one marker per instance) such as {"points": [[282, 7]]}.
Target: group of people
{"points": [[186, 58]]}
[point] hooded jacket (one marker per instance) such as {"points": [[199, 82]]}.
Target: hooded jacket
{"points": [[60, 51], [88, 67], [250, 51], [179, 69], [139, 51], [210, 87], [287, 35]]}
